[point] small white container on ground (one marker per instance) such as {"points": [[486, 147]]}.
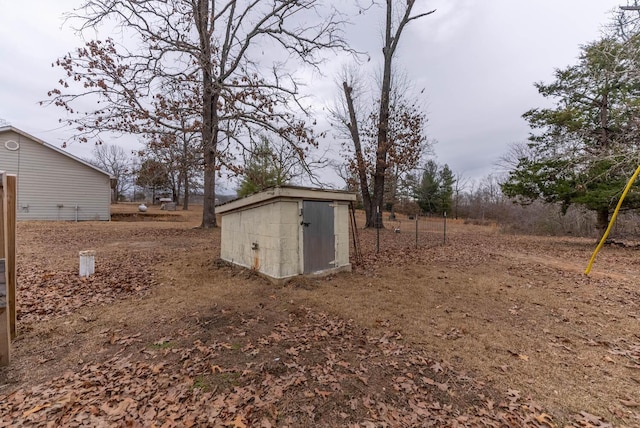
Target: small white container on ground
{"points": [[87, 262]]}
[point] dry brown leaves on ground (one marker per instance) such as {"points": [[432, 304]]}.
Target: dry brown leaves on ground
{"points": [[516, 312], [311, 370], [53, 293]]}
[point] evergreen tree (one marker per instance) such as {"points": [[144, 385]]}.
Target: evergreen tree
{"points": [[445, 191], [584, 148], [259, 171], [427, 192]]}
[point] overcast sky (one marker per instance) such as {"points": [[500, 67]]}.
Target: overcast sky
{"points": [[476, 59]]}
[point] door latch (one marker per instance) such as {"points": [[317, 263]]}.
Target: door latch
{"points": [[305, 223]]}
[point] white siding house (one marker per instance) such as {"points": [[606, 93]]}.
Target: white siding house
{"points": [[52, 184], [286, 231]]}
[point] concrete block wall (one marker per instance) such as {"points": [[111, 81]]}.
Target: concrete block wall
{"points": [[288, 242], [274, 228], [341, 230]]}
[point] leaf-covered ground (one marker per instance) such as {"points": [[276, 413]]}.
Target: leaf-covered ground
{"points": [[308, 370], [487, 330]]}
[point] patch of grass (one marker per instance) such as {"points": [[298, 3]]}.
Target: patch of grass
{"points": [[224, 381], [162, 344], [227, 379], [201, 383]]}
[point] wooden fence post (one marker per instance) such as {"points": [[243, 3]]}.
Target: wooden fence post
{"points": [[11, 191], [5, 336], [5, 324]]}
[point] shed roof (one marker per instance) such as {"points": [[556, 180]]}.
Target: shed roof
{"points": [[52, 147], [288, 192]]}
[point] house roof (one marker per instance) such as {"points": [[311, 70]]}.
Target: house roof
{"points": [[288, 192], [54, 148]]}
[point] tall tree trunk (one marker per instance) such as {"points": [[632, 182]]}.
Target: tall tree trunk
{"points": [[185, 172], [360, 165], [374, 205], [209, 213], [209, 208], [178, 189], [209, 116], [390, 45], [393, 196], [455, 206], [383, 118], [185, 200]]}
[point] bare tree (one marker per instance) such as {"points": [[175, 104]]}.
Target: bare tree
{"points": [[625, 21], [207, 53], [152, 176], [407, 142], [348, 113], [515, 153], [395, 23], [181, 153], [293, 168], [269, 162], [460, 183], [347, 174], [117, 162]]}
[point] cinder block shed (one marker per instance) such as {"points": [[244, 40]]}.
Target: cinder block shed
{"points": [[286, 231]]}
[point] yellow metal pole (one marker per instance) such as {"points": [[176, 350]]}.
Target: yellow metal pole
{"points": [[613, 219]]}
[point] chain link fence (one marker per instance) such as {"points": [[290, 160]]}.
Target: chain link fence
{"points": [[401, 232]]}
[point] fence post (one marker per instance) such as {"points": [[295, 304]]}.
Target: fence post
{"points": [[5, 325], [417, 217], [444, 235], [10, 222], [378, 221]]}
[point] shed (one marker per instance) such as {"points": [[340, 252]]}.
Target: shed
{"points": [[53, 184], [286, 231]]}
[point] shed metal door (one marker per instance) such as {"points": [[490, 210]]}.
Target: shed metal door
{"points": [[318, 236]]}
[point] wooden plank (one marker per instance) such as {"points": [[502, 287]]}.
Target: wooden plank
{"points": [[5, 338], [5, 335], [5, 329], [10, 221], [3, 285], [3, 215]]}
